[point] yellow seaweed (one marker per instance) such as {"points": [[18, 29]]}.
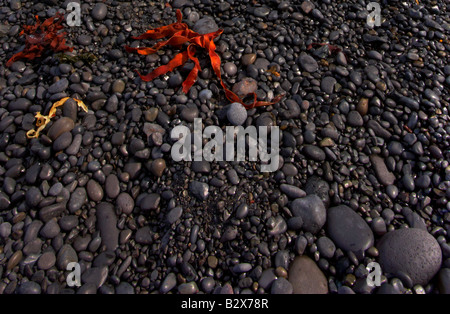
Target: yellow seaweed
{"points": [[42, 120]]}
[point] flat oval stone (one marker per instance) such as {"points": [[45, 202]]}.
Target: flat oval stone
{"points": [[59, 87], [94, 190], [95, 275], [66, 255], [383, 174], [29, 287], [61, 126], [306, 277], [308, 63], [46, 261], [328, 84], [174, 215], [77, 199], [205, 25], [62, 142], [107, 225], [99, 11], [312, 211], [411, 252], [70, 109], [314, 152], [112, 186], [348, 230], [125, 203]]}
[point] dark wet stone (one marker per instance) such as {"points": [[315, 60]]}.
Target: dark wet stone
{"points": [[51, 229], [168, 283], [67, 223], [306, 277], [46, 261], [237, 114], [52, 211], [348, 229], [144, 236], [314, 152], [158, 167], [124, 288], [62, 142], [190, 113], [293, 110], [94, 191], [205, 25], [411, 252], [66, 255], [59, 87], [99, 11], [95, 275], [201, 166], [354, 119], [261, 11], [88, 288], [199, 190], [150, 202], [107, 225], [328, 84], [174, 215], [282, 286], [77, 199], [444, 281], [61, 126], [312, 211], [4, 201], [125, 203], [383, 174], [29, 287], [21, 104], [319, 187], [112, 187], [409, 102], [308, 63], [70, 109], [248, 59], [33, 197], [326, 247], [292, 191]]}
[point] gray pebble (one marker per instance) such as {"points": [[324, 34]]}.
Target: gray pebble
{"points": [[107, 225], [99, 11], [312, 211], [411, 252], [349, 230], [237, 114]]}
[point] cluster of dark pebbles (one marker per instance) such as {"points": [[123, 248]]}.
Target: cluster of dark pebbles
{"points": [[364, 172]]}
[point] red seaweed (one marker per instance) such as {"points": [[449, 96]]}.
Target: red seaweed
{"points": [[179, 34], [42, 37]]}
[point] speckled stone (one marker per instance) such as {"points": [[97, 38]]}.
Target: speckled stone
{"points": [[411, 252]]}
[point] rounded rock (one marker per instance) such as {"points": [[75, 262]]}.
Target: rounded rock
{"points": [[312, 211], [411, 252], [237, 114], [348, 230], [99, 11]]}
